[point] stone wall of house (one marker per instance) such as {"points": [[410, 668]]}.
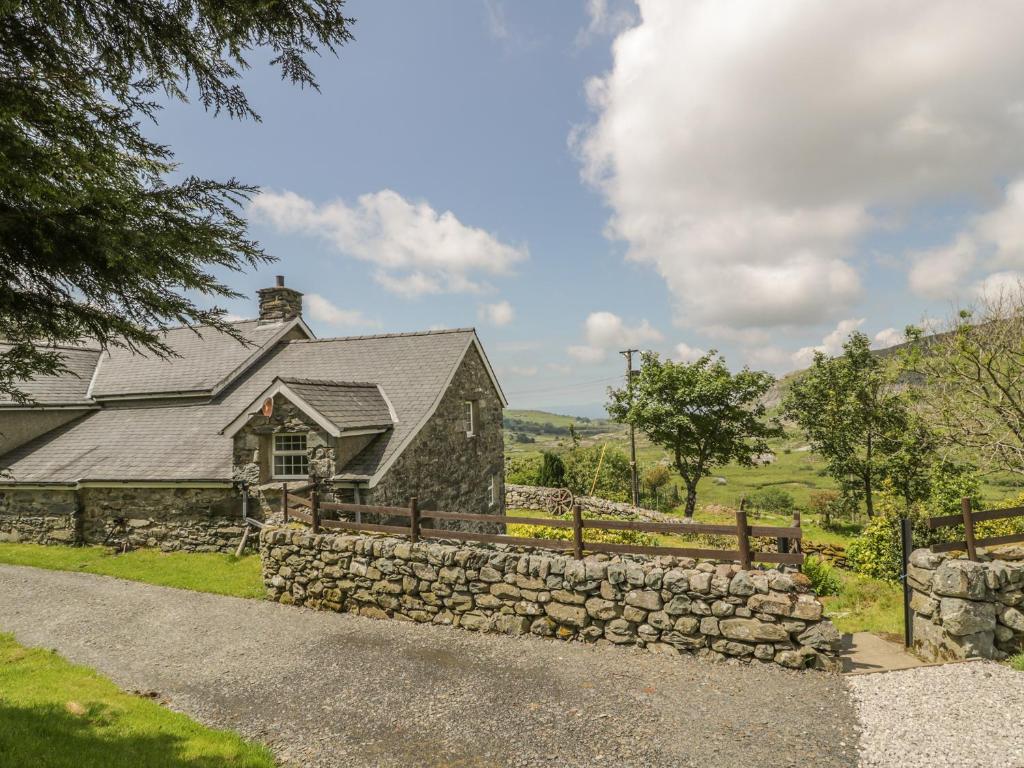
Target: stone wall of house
{"points": [[188, 519], [39, 516], [669, 605], [444, 468], [964, 609]]}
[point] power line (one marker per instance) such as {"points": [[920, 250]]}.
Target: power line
{"points": [[562, 388]]}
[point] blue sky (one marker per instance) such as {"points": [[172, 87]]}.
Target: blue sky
{"points": [[573, 177]]}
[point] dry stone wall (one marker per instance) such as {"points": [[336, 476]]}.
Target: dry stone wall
{"points": [[539, 497], [965, 609], [670, 605], [187, 519]]}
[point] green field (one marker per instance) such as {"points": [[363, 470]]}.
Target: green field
{"points": [[201, 572], [793, 468], [58, 715]]}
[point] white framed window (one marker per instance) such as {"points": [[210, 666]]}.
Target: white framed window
{"points": [[492, 499], [472, 417], [289, 455]]}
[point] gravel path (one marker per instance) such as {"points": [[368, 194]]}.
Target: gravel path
{"points": [[338, 690], [968, 715]]}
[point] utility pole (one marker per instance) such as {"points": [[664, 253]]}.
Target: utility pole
{"points": [[628, 354]]}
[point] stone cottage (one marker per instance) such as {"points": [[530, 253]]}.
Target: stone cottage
{"points": [[159, 452]]}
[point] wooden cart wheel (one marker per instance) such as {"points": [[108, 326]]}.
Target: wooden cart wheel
{"points": [[561, 502]]}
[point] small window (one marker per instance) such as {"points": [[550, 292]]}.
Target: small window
{"points": [[472, 419], [290, 458]]}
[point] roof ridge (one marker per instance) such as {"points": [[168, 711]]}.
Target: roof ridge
{"points": [[326, 382], [437, 332]]}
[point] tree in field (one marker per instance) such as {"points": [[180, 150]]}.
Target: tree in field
{"points": [[552, 471], [972, 381], [858, 419], [701, 413], [98, 239]]}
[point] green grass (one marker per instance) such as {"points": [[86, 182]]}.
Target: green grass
{"points": [[202, 572], [1017, 662], [58, 715], [866, 605]]}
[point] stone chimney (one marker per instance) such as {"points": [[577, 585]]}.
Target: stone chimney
{"points": [[279, 303]]}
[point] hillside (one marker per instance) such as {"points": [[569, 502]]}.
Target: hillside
{"points": [[793, 467]]}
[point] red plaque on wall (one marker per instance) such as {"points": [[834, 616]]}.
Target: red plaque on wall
{"points": [[268, 407]]}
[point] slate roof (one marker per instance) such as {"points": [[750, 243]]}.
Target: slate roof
{"points": [[206, 358], [183, 441], [347, 405], [67, 389]]}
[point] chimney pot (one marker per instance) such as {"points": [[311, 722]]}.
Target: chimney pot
{"points": [[280, 281]]}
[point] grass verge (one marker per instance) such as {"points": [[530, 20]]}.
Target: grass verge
{"points": [[54, 714], [866, 605], [199, 571]]}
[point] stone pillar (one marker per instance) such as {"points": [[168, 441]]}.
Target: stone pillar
{"points": [[964, 609]]}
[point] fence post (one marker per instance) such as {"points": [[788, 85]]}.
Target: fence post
{"points": [[577, 531], [965, 506], [314, 497], [796, 524], [414, 520], [907, 540], [284, 501], [743, 532]]}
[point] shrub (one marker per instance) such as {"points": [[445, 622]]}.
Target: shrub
{"points": [[552, 471], [613, 483], [878, 551], [637, 538], [773, 501], [522, 470], [824, 579]]}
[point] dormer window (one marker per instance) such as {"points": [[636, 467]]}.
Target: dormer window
{"points": [[472, 419], [290, 458]]}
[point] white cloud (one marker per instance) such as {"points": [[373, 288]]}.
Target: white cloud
{"points": [[993, 240], [559, 368], [415, 249], [687, 354], [500, 313], [888, 337], [745, 149], [831, 344], [496, 23], [606, 331], [605, 19], [1004, 228], [523, 370], [999, 284], [938, 273], [323, 310], [585, 353]]}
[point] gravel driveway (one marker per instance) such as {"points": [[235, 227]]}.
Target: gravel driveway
{"points": [[338, 690], [968, 715]]}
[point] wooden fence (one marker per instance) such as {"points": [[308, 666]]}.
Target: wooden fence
{"points": [[968, 517], [416, 530]]}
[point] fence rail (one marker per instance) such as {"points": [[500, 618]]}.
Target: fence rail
{"points": [[968, 517], [416, 530]]}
